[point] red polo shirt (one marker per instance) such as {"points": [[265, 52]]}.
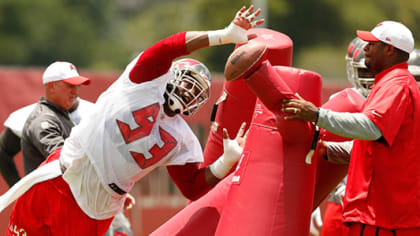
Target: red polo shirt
{"points": [[383, 187]]}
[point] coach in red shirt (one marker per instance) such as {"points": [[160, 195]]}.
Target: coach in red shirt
{"points": [[383, 188]]}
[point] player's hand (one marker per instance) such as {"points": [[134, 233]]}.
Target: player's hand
{"points": [[300, 109], [322, 150], [233, 147], [129, 202], [236, 32], [232, 152], [245, 18]]}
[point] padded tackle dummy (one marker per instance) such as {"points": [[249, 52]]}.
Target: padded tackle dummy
{"points": [[235, 107], [329, 174], [272, 189], [238, 101]]}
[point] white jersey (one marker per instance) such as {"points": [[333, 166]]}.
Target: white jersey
{"points": [[16, 119], [82, 111], [126, 137]]}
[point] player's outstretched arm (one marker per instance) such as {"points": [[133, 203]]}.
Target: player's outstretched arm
{"points": [[232, 151], [156, 60], [194, 182], [234, 33]]}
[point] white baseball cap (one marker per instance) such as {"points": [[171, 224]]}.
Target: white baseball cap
{"points": [[390, 32], [64, 71]]}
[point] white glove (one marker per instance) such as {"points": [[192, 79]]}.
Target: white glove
{"points": [[232, 152], [316, 222], [231, 34], [236, 31]]}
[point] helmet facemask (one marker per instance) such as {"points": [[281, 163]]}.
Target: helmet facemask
{"points": [[350, 72], [414, 65], [355, 45], [365, 79], [189, 87], [362, 75], [349, 58]]}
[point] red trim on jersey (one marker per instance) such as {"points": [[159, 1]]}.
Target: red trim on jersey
{"points": [[190, 180], [156, 60]]}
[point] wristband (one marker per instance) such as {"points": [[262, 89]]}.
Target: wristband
{"points": [[231, 34], [220, 168], [215, 37]]}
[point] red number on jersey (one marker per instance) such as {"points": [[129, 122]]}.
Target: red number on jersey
{"points": [[157, 152], [145, 119]]}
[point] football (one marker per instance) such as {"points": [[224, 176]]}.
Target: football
{"points": [[244, 60]]}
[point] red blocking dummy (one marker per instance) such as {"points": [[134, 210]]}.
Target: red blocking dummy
{"points": [[272, 189], [237, 107], [329, 174], [272, 84], [200, 217], [239, 101]]}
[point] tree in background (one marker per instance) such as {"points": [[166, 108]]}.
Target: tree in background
{"points": [[102, 34], [36, 33]]}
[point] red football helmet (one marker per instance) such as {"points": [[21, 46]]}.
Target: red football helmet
{"points": [[362, 75], [353, 46], [189, 87], [414, 62]]}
